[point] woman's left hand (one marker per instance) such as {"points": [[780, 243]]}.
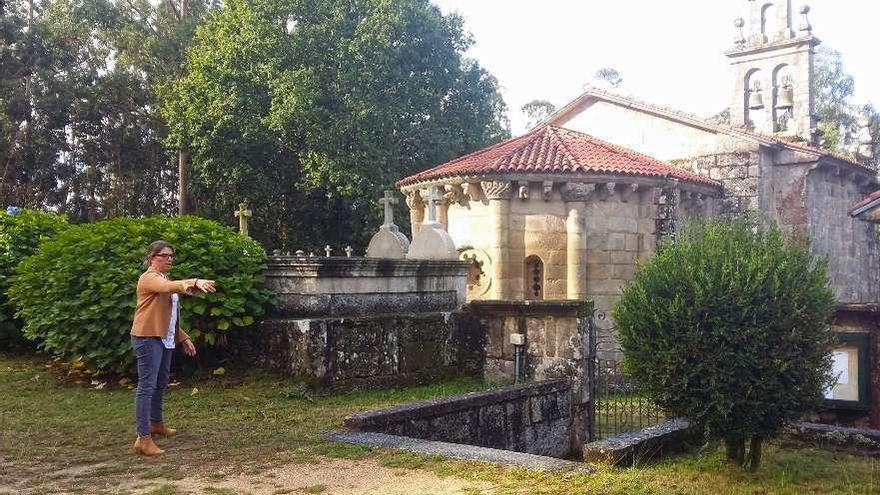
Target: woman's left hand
{"points": [[188, 347]]}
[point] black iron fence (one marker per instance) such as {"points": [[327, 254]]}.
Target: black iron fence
{"points": [[616, 406]]}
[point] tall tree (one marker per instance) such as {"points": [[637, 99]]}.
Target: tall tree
{"points": [[536, 111], [839, 116], [309, 108], [608, 76]]}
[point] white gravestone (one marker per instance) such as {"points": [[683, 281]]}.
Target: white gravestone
{"points": [[389, 242], [432, 241]]}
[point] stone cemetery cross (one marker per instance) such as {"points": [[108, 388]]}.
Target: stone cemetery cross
{"points": [[433, 199], [328, 250], [388, 202], [243, 213]]}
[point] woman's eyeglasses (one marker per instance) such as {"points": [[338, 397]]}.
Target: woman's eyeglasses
{"points": [[165, 255]]}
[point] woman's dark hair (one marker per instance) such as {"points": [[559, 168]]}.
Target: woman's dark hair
{"points": [[154, 248]]}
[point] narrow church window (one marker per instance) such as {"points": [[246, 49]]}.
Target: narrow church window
{"points": [[534, 278]]}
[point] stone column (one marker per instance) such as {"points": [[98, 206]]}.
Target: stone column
{"points": [[575, 195], [498, 193], [416, 210], [443, 213]]}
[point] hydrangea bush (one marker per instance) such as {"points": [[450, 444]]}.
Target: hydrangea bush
{"points": [[77, 294], [21, 232]]}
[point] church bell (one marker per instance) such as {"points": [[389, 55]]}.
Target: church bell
{"points": [[785, 98], [756, 99]]}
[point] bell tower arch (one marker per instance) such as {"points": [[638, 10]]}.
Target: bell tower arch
{"points": [[772, 67]]}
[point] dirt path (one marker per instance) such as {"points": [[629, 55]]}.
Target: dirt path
{"points": [[329, 477]]}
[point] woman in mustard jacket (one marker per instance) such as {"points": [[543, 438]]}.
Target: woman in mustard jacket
{"points": [[154, 334]]}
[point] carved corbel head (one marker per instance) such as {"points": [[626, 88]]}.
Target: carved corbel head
{"points": [[628, 191], [577, 191], [523, 191], [609, 189], [547, 190]]}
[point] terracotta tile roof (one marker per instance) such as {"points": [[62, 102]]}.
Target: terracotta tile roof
{"points": [[554, 150], [700, 122], [873, 197]]}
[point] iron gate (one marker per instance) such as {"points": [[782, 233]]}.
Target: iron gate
{"points": [[615, 406]]}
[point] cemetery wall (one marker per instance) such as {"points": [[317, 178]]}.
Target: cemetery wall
{"points": [[535, 418], [362, 322], [552, 333]]}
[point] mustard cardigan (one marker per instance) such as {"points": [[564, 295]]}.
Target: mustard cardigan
{"points": [[153, 312]]}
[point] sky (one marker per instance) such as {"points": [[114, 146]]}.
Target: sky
{"points": [[669, 52]]}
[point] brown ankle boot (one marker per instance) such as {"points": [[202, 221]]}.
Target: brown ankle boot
{"points": [[146, 446], [161, 430]]}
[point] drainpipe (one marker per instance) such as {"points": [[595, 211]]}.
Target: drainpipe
{"points": [[519, 356]]}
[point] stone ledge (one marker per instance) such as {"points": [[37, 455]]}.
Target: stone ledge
{"points": [[450, 405], [841, 435], [459, 451], [632, 448], [543, 308], [365, 304], [341, 267]]}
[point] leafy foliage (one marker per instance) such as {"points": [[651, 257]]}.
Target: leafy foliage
{"points": [[537, 111], [77, 294], [729, 326], [309, 108], [838, 115], [20, 236], [79, 125]]}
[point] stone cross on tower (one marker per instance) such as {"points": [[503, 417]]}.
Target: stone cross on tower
{"points": [[388, 203], [243, 214]]}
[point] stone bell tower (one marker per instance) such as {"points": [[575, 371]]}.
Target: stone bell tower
{"points": [[772, 62]]}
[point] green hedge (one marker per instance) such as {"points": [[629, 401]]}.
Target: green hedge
{"points": [[21, 232], [77, 294]]}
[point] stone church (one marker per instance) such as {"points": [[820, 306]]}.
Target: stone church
{"points": [[565, 210]]}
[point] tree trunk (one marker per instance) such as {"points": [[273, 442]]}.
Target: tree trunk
{"points": [[736, 450], [755, 453], [183, 158]]}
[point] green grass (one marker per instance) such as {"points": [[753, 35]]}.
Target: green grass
{"points": [[56, 437]]}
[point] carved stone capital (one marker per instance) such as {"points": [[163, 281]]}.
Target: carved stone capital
{"points": [[577, 191], [496, 189], [414, 200], [454, 193]]}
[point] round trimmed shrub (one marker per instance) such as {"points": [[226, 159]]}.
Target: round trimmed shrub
{"points": [[21, 232], [729, 326], [77, 293]]}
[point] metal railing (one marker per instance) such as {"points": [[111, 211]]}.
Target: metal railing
{"points": [[616, 405]]}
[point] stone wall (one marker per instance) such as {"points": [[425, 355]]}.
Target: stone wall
{"points": [[620, 227], [535, 418], [337, 286], [851, 244], [371, 351], [618, 233], [552, 337], [740, 173], [342, 322]]}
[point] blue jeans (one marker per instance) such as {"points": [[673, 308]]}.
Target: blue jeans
{"points": [[154, 366]]}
